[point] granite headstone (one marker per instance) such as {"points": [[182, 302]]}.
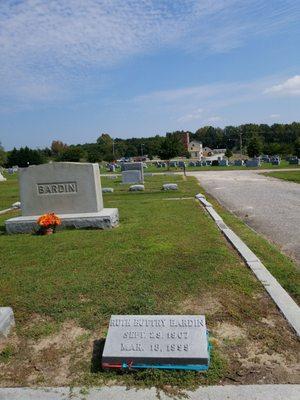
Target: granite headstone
{"points": [[156, 341]]}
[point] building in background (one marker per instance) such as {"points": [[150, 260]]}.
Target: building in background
{"points": [[195, 149]]}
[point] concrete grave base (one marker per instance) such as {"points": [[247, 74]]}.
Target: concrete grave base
{"points": [[2, 179], [104, 219], [7, 320]]}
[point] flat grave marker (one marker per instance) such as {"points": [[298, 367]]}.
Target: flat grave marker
{"points": [[157, 341]]}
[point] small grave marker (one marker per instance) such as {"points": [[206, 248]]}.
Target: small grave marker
{"points": [[157, 341]]}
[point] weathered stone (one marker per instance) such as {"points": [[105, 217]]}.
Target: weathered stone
{"points": [[136, 166], [137, 188], [170, 186], [7, 320], [104, 219], [107, 190], [132, 176], [71, 190], [255, 162], [223, 163], [200, 196], [61, 188], [238, 163], [294, 161], [165, 341], [2, 179]]}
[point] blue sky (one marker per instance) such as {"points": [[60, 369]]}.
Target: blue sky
{"points": [[72, 69]]}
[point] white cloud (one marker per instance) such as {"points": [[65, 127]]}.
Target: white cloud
{"points": [[290, 87], [274, 116], [214, 119], [52, 49], [194, 115]]}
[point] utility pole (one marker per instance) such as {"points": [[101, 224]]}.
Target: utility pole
{"points": [[241, 143], [113, 148]]}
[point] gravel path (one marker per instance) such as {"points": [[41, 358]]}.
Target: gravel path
{"points": [[271, 206]]}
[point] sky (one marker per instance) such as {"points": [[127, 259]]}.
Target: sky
{"points": [[73, 69]]}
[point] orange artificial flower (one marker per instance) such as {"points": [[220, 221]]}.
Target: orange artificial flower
{"points": [[49, 220]]}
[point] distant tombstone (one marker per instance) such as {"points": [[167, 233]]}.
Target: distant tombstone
{"points": [[137, 188], [71, 190], [276, 161], [136, 166], [181, 164], [223, 163], [112, 167], [157, 341], [198, 163], [173, 164], [107, 190], [294, 161], [208, 162], [238, 163], [255, 162], [2, 179], [192, 164], [170, 186], [132, 176]]}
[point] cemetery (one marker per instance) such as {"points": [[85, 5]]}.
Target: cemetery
{"points": [[160, 300]]}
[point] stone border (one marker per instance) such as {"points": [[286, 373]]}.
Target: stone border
{"points": [[288, 307]]}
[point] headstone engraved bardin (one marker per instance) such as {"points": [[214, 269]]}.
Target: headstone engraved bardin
{"points": [[71, 190], [157, 341]]}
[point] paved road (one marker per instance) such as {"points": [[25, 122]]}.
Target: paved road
{"points": [[271, 206]]}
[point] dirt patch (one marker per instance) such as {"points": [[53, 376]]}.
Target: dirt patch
{"points": [[47, 360], [226, 330], [206, 305]]}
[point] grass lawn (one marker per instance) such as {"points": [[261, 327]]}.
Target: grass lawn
{"points": [[293, 176], [166, 257]]}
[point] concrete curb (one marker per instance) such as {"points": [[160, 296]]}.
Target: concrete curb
{"points": [[228, 392], [288, 307], [7, 210]]}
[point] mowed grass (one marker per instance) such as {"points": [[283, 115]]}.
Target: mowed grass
{"points": [[166, 257], [293, 176], [162, 252]]}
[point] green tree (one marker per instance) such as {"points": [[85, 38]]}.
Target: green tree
{"points": [[2, 155], [58, 147], [24, 157], [71, 154], [228, 153], [297, 147], [171, 147], [254, 147]]}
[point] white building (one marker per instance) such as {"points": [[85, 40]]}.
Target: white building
{"points": [[195, 149]]}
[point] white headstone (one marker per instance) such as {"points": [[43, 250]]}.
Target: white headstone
{"points": [[71, 190]]}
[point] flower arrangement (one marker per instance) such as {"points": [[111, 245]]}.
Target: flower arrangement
{"points": [[48, 223]]}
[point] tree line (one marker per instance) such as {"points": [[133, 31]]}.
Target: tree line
{"points": [[281, 139]]}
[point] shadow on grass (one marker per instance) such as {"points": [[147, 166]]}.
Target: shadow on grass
{"points": [[98, 347]]}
